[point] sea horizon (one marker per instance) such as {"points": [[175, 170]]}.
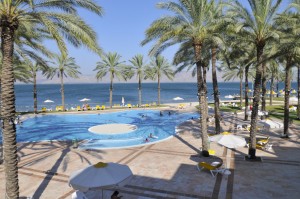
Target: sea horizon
{"points": [[98, 93]]}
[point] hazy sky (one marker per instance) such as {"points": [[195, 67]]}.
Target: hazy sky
{"points": [[120, 30]]}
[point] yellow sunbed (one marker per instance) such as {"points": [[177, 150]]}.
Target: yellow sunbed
{"points": [[98, 107], [78, 108], [103, 107]]}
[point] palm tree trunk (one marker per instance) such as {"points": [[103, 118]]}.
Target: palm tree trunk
{"points": [[62, 90], [158, 90], [34, 93], [241, 90], [111, 90], [287, 88], [202, 100], [8, 112], [298, 79], [264, 88], [277, 87], [256, 99], [140, 91], [271, 89], [246, 92], [216, 91]]}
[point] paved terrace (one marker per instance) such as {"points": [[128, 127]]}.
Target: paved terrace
{"points": [[167, 169]]}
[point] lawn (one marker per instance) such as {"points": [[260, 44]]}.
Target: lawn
{"points": [[275, 111]]}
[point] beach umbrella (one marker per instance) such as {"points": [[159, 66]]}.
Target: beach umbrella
{"points": [[271, 124], [229, 96], [293, 100], [85, 100], [123, 101], [294, 91], [228, 140], [48, 101], [177, 98], [99, 176]]}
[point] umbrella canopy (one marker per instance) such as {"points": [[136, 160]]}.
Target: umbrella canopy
{"points": [[99, 175], [229, 96], [271, 124], [85, 100], [177, 98], [293, 91], [228, 140], [293, 99], [48, 101]]}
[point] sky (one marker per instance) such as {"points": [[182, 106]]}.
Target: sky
{"points": [[121, 29]]}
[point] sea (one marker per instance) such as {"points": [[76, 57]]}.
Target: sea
{"points": [[98, 93]]}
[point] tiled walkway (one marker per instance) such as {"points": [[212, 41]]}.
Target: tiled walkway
{"points": [[167, 169]]}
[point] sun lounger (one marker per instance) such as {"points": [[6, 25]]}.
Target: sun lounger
{"points": [[98, 107], [59, 108], [263, 143], [44, 109], [129, 105], [103, 107], [213, 167], [78, 108]]}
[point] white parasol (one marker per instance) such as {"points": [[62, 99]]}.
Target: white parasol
{"points": [[48, 101], [123, 101], [99, 176], [228, 140], [177, 98], [293, 100], [85, 100]]}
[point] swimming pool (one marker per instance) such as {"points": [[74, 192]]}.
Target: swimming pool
{"points": [[75, 126]]}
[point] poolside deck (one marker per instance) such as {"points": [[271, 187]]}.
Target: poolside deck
{"points": [[167, 169]]}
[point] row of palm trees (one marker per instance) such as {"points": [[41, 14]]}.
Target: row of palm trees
{"points": [[110, 64], [240, 37], [206, 31]]}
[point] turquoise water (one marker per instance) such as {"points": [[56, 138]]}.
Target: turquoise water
{"points": [[70, 127]]}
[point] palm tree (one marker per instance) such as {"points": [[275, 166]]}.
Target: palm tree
{"points": [[66, 67], [111, 63], [288, 24], [33, 68], [256, 26], [191, 25], [232, 73], [159, 66], [274, 70], [139, 66], [60, 20]]}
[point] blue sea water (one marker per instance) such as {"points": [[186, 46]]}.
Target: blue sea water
{"points": [[99, 93]]}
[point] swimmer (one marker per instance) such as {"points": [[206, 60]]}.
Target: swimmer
{"points": [[146, 140], [160, 113], [151, 135], [169, 113]]}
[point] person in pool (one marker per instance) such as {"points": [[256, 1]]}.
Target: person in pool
{"points": [[151, 135], [146, 140]]}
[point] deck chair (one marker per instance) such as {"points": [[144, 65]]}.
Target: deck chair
{"points": [[264, 144], [103, 107], [44, 109], [98, 107], [213, 167], [129, 105], [78, 108]]}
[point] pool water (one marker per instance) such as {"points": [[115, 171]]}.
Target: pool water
{"points": [[70, 127]]}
